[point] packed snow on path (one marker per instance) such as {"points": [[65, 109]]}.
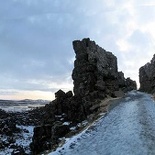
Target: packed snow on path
{"points": [[128, 129]]}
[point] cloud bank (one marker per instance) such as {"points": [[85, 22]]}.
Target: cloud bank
{"points": [[36, 40]]}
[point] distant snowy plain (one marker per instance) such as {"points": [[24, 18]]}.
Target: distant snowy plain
{"points": [[21, 105]]}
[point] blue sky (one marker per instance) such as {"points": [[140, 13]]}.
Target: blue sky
{"points": [[36, 54]]}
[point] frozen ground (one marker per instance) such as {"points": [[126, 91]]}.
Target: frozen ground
{"points": [[21, 139], [21, 105], [128, 129]]}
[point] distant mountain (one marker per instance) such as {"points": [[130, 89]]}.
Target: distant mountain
{"points": [[22, 102], [21, 105], [33, 101]]}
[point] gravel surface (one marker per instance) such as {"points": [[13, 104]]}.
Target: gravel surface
{"points": [[128, 129]]}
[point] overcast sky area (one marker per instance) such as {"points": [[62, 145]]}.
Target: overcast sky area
{"points": [[36, 54]]}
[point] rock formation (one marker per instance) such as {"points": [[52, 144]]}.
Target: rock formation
{"points": [[65, 108], [96, 71], [95, 77], [147, 77]]}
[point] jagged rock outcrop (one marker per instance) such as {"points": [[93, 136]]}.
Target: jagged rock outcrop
{"points": [[147, 77], [95, 77], [47, 136], [96, 71], [65, 108]]}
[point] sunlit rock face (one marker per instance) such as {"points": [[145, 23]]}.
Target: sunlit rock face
{"points": [[95, 71], [147, 77]]}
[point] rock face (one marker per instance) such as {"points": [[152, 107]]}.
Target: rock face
{"points": [[95, 77], [147, 77], [96, 71], [65, 109]]}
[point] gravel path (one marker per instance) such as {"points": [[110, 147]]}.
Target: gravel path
{"points": [[128, 129]]}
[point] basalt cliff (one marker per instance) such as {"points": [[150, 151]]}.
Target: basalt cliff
{"points": [[95, 77], [147, 77], [96, 73]]}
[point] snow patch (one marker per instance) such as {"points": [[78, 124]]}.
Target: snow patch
{"points": [[26, 138], [22, 139], [66, 123]]}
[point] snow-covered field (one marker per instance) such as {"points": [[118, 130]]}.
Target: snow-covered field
{"points": [[129, 129], [21, 105]]}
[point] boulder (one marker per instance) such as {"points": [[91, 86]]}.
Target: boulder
{"points": [[60, 94], [47, 136]]}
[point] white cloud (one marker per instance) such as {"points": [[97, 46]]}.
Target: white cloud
{"points": [[123, 45], [36, 38]]}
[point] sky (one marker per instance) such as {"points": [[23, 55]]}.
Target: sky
{"points": [[36, 53]]}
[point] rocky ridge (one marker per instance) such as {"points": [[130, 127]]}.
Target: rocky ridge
{"points": [[147, 77], [96, 72], [95, 77]]}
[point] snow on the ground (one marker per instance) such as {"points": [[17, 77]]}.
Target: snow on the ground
{"points": [[73, 140], [26, 138], [21, 105], [6, 151], [22, 139], [66, 123], [20, 108], [129, 129]]}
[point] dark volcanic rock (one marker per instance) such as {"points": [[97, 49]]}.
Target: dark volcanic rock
{"points": [[18, 151], [7, 124], [3, 114], [60, 94], [9, 132], [46, 136], [147, 77], [96, 71], [95, 77], [130, 85], [65, 107]]}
